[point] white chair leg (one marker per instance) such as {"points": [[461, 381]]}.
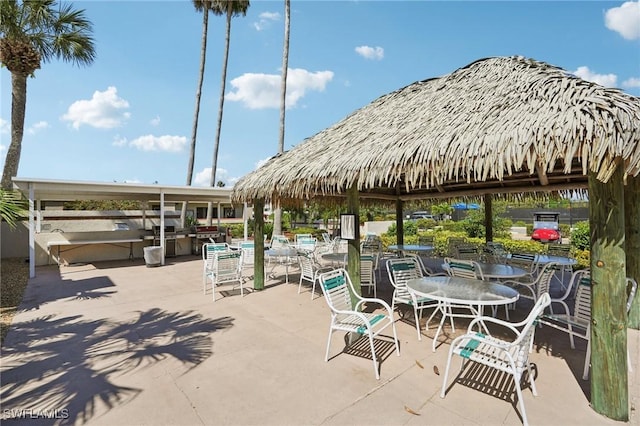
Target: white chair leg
{"points": [[587, 361], [415, 314], [326, 355], [373, 356], [521, 401]]}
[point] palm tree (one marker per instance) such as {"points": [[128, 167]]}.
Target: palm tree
{"points": [[277, 213], [230, 8], [203, 6], [32, 32]]}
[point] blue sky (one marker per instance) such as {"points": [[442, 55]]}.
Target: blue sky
{"points": [[128, 117]]}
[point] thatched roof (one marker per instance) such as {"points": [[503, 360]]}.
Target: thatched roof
{"points": [[498, 125]]}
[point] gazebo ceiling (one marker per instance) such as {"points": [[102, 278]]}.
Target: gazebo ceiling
{"points": [[504, 125]]}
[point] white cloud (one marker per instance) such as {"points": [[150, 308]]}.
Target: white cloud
{"points": [[120, 141], [607, 80], [159, 143], [155, 121], [631, 82], [258, 91], [203, 177], [368, 52], [266, 19], [624, 20], [37, 127], [105, 110]]}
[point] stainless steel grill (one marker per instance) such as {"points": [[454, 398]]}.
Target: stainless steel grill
{"points": [[169, 239]]}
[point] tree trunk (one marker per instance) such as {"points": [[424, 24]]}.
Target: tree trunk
{"points": [[632, 242], [196, 114], [216, 146], [277, 213], [258, 244], [18, 106], [609, 379]]}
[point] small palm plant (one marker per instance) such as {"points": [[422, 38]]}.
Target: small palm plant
{"points": [[12, 207]]}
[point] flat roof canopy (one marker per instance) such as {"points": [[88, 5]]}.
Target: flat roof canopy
{"points": [[61, 190]]}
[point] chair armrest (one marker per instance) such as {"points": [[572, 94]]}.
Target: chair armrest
{"points": [[381, 302], [509, 325]]}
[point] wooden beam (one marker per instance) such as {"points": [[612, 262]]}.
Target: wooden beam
{"points": [[258, 244], [632, 242], [609, 376], [482, 191]]}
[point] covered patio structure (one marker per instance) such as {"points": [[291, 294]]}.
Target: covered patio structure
{"points": [[504, 125]]}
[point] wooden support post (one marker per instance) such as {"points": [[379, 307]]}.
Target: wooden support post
{"points": [[353, 247], [609, 376], [488, 217], [632, 242], [399, 223], [258, 244]]}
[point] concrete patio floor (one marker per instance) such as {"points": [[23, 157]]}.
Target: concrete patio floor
{"points": [[118, 343]]}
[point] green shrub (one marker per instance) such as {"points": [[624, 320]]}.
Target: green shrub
{"points": [[583, 257], [520, 223], [565, 230], [581, 236], [409, 227]]}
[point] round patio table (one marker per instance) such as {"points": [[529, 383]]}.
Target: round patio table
{"points": [[282, 256], [455, 292], [410, 247]]}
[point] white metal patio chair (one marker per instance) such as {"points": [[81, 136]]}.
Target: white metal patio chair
{"points": [[526, 261], [247, 250], [209, 253], [578, 323], [368, 273], [401, 270], [310, 271], [338, 289], [226, 269], [508, 356], [532, 290]]}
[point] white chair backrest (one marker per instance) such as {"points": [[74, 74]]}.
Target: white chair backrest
{"points": [[467, 252], [307, 266], [279, 241], [582, 307], [306, 243], [367, 270], [526, 261], [543, 280], [400, 271], [247, 250], [563, 250], [227, 264], [335, 287], [463, 268], [632, 288]]}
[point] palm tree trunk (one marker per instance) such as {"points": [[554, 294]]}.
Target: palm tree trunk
{"points": [[216, 146], [196, 114], [277, 213], [18, 106]]}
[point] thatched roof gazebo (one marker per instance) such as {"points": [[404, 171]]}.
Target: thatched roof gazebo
{"points": [[505, 125]]}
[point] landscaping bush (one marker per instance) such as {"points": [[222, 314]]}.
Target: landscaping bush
{"points": [[581, 236]]}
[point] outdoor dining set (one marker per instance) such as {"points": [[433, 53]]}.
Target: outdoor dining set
{"points": [[476, 284]]}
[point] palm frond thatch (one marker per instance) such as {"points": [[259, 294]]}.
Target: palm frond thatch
{"points": [[498, 124]]}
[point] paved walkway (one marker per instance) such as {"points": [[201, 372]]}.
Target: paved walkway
{"points": [[117, 343]]}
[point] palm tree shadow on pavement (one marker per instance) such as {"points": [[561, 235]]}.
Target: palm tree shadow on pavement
{"points": [[69, 367]]}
